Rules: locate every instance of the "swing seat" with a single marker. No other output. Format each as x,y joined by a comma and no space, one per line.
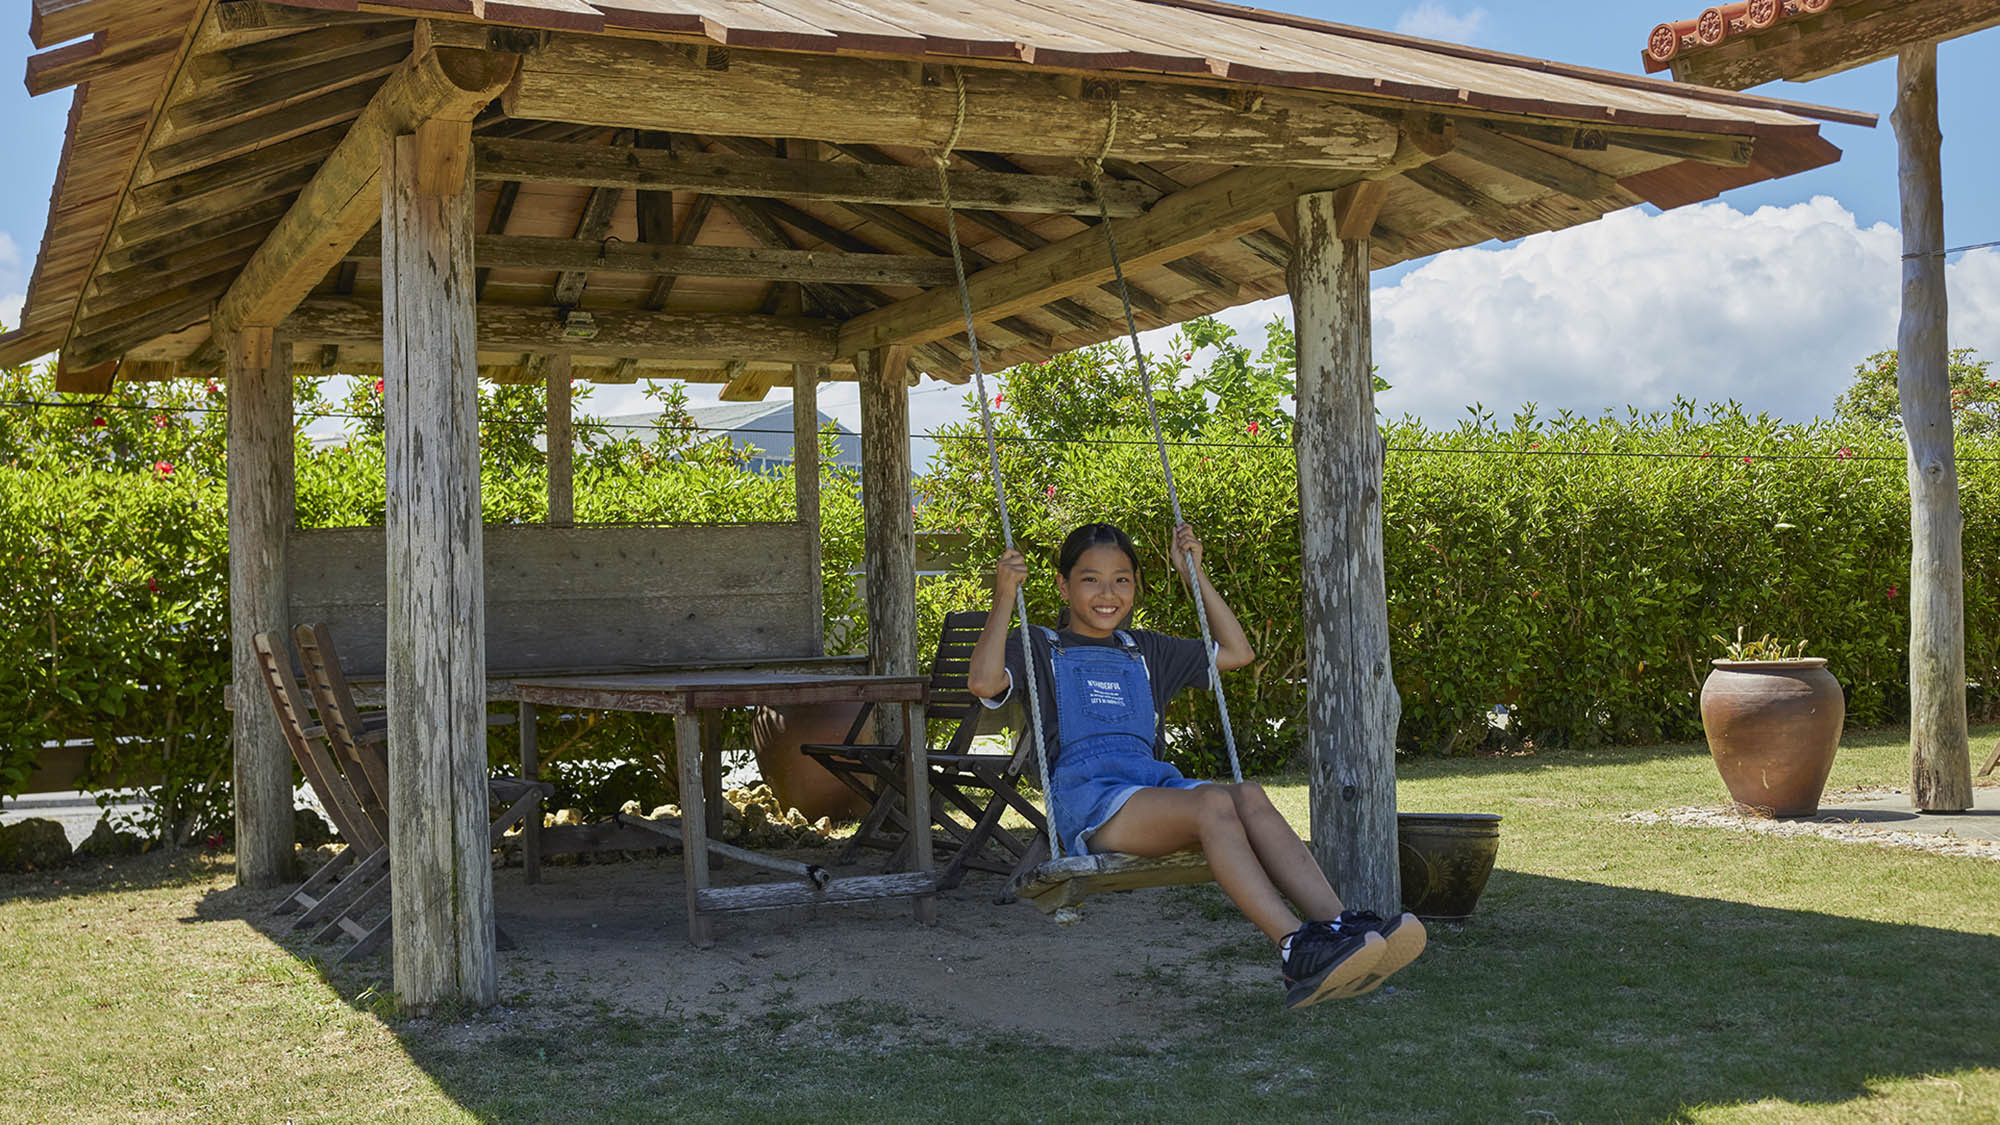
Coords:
1066,882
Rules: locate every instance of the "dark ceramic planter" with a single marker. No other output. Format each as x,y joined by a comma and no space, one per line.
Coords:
1773,726
1445,859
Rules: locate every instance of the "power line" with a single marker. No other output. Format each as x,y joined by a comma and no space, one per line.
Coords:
1022,439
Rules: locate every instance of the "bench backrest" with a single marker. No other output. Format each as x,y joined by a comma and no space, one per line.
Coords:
588,597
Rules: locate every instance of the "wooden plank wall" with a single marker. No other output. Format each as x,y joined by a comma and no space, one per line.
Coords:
591,597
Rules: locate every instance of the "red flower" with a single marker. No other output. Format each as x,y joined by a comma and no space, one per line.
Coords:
1253,428
1845,453
164,468
1893,591
97,422
213,843
1000,398
213,388
378,386
161,421
1052,492
1187,355
1746,460
153,584
1534,445
1705,454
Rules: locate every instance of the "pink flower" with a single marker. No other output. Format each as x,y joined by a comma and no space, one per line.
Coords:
1845,453
1052,492
1894,591
164,468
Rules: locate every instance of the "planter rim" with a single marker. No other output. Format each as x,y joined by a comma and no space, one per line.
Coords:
1770,665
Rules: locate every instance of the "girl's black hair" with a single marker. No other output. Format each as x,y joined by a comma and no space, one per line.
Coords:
1094,535
1083,539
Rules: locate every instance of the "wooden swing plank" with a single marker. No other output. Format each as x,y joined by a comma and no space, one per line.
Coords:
1071,879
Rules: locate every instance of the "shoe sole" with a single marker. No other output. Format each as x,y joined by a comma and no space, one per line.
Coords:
1398,950
1358,965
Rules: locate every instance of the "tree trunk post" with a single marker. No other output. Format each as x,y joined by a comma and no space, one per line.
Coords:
442,893
260,516
806,378
562,444
1351,707
1940,749
889,524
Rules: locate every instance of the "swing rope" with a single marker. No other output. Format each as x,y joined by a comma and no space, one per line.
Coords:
943,161
1159,439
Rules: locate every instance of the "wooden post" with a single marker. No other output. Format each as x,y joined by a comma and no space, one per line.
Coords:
806,378
438,847
1351,706
1940,751
531,770
888,523
260,515
561,443
694,826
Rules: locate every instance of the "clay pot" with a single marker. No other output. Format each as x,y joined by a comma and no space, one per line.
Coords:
1773,726
1445,860
796,780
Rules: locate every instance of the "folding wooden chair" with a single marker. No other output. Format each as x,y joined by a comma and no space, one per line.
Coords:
970,790
363,744
362,864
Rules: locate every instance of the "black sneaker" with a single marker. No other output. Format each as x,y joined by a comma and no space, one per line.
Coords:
1322,961
1403,938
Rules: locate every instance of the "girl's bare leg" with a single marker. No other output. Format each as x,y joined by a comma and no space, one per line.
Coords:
1158,821
1285,858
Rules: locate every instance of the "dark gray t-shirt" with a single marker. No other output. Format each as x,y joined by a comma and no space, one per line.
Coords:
1172,663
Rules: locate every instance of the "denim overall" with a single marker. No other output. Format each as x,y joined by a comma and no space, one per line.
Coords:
1105,729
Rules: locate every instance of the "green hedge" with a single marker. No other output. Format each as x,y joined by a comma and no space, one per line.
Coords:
1572,570
113,548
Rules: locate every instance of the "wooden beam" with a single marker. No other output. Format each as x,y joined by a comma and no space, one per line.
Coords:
76,63
641,335
260,506
602,80
1214,211
1351,704
440,854
152,223
672,259
343,200
806,378
254,19
262,215
176,264
275,90
1536,165
247,136
1494,216
305,149
1355,208
895,185
248,62
1854,34
1940,748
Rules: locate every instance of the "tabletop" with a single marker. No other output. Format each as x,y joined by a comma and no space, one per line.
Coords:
686,691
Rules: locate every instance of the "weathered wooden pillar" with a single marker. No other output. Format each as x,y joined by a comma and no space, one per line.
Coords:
438,851
260,516
561,440
1940,750
1351,702
806,378
888,522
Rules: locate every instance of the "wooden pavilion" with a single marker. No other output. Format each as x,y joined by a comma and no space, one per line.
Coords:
1735,46
742,192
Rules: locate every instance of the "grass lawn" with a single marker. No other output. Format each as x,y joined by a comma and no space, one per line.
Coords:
1615,972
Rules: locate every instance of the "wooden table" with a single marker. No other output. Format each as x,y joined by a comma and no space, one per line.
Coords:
693,698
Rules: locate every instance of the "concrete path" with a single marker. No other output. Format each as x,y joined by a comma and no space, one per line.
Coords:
1893,811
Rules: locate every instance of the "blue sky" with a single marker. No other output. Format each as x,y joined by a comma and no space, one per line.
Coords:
1769,295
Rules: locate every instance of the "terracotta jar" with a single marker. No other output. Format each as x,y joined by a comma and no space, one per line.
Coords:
1773,726
796,780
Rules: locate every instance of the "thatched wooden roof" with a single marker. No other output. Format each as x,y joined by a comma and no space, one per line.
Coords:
716,190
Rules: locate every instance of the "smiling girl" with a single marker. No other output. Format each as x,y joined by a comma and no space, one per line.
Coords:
1104,690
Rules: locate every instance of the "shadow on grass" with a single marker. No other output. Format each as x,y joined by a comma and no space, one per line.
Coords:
160,869
1561,1000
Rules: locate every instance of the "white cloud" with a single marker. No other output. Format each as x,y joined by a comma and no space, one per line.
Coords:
1772,309
1431,20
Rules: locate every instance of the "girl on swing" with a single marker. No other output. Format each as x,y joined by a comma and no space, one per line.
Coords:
1110,792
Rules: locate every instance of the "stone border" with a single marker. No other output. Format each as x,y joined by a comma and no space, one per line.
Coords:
1936,843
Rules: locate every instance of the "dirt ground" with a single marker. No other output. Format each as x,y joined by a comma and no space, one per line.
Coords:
615,934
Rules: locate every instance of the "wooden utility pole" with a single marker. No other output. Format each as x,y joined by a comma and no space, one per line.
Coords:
1351,705
439,852
260,517
1940,753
